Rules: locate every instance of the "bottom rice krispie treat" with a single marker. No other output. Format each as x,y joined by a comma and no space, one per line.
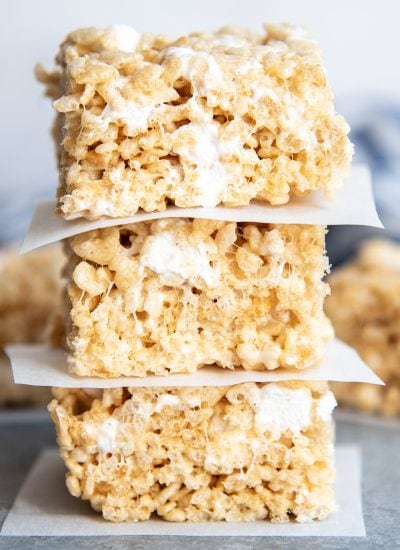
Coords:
240,453
365,310
30,289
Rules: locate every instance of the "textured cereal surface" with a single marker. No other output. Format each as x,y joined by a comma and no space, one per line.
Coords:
223,117
30,289
365,310
174,295
199,454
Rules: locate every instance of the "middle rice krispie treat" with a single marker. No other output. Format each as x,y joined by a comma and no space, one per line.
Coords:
209,118
174,295
240,453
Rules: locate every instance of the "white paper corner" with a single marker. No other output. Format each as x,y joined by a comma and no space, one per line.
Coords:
44,507
40,365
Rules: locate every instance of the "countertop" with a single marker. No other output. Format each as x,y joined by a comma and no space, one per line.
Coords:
23,434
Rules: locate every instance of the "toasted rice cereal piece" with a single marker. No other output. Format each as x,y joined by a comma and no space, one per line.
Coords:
365,311
173,295
223,117
240,453
30,289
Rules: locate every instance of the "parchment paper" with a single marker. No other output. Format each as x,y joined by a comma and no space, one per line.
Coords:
352,205
45,508
40,365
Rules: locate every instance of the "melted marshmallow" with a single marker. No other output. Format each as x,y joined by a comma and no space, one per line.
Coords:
190,61
106,437
193,400
175,261
206,151
279,409
206,154
144,410
124,38
273,244
325,406
294,121
166,399
227,41
133,115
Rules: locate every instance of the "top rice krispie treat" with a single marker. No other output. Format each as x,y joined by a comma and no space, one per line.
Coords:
223,117
365,310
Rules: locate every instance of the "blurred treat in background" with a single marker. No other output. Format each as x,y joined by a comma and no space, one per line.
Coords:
365,302
30,290
375,132
365,310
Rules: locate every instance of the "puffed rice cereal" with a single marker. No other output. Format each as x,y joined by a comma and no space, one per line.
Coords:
173,295
241,453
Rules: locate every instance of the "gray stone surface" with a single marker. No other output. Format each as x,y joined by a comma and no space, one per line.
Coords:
23,435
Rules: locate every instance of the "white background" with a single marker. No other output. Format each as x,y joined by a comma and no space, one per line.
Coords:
360,40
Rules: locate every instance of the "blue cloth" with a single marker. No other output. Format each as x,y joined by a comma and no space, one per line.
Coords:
16,207
375,132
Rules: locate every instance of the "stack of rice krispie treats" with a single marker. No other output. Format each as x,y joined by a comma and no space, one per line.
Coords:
223,118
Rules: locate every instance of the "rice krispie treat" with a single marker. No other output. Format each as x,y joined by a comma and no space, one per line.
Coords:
365,311
30,289
223,117
239,453
174,295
